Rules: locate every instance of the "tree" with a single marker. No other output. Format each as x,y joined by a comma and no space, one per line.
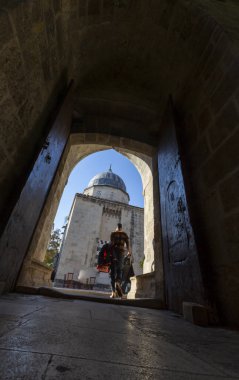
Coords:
53,246
141,263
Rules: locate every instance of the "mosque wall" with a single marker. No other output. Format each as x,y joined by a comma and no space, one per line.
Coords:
93,219
106,192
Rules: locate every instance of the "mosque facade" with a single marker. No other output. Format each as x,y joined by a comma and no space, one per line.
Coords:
93,216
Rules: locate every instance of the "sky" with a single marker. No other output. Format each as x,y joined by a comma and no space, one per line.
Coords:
94,164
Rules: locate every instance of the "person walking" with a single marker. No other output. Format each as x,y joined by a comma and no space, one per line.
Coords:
119,240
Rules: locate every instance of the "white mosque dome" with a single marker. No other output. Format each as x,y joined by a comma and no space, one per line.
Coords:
108,185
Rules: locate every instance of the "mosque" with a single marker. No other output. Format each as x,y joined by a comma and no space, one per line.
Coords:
93,216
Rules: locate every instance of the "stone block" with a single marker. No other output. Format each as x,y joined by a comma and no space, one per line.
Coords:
231,236
59,36
69,5
22,19
50,27
226,88
6,32
195,313
229,193
200,153
214,80
108,5
143,286
36,11
3,87
82,8
214,59
57,5
35,273
11,64
93,7
190,131
10,123
2,287
205,118
224,124
223,161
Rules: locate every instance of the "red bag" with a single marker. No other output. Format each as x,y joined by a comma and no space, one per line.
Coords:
103,268
104,259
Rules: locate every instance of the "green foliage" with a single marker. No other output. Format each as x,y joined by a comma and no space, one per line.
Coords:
53,247
141,263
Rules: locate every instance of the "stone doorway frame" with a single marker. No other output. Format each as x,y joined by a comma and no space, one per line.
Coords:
144,158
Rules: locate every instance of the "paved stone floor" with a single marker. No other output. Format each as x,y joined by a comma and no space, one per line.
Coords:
47,338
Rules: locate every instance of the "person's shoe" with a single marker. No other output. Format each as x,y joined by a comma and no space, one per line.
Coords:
113,295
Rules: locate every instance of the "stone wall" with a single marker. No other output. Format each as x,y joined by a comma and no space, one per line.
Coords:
208,128
106,192
31,80
151,49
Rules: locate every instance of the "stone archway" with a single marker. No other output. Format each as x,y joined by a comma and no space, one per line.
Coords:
151,49
144,158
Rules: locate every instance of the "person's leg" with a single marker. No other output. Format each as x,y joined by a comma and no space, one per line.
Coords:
119,269
113,271
112,275
128,287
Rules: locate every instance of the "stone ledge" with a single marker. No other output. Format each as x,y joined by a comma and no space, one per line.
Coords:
143,286
149,303
196,313
35,273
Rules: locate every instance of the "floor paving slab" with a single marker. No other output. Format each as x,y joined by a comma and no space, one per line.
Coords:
75,369
16,365
73,339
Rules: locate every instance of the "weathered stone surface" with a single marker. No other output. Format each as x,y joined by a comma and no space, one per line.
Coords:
190,130
229,192
27,210
224,124
35,273
12,66
93,7
199,153
195,313
3,87
57,5
2,287
223,161
204,120
133,52
82,11
227,87
159,343
36,364
37,11
231,231
143,286
6,32
11,127
181,254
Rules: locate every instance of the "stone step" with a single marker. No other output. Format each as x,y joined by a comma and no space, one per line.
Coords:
149,303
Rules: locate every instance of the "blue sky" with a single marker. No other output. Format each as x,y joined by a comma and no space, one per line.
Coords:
88,168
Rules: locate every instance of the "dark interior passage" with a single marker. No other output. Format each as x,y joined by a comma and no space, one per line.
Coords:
125,58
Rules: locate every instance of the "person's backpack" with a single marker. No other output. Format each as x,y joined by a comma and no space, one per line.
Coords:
104,258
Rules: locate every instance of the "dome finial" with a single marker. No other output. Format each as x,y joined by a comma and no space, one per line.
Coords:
110,170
